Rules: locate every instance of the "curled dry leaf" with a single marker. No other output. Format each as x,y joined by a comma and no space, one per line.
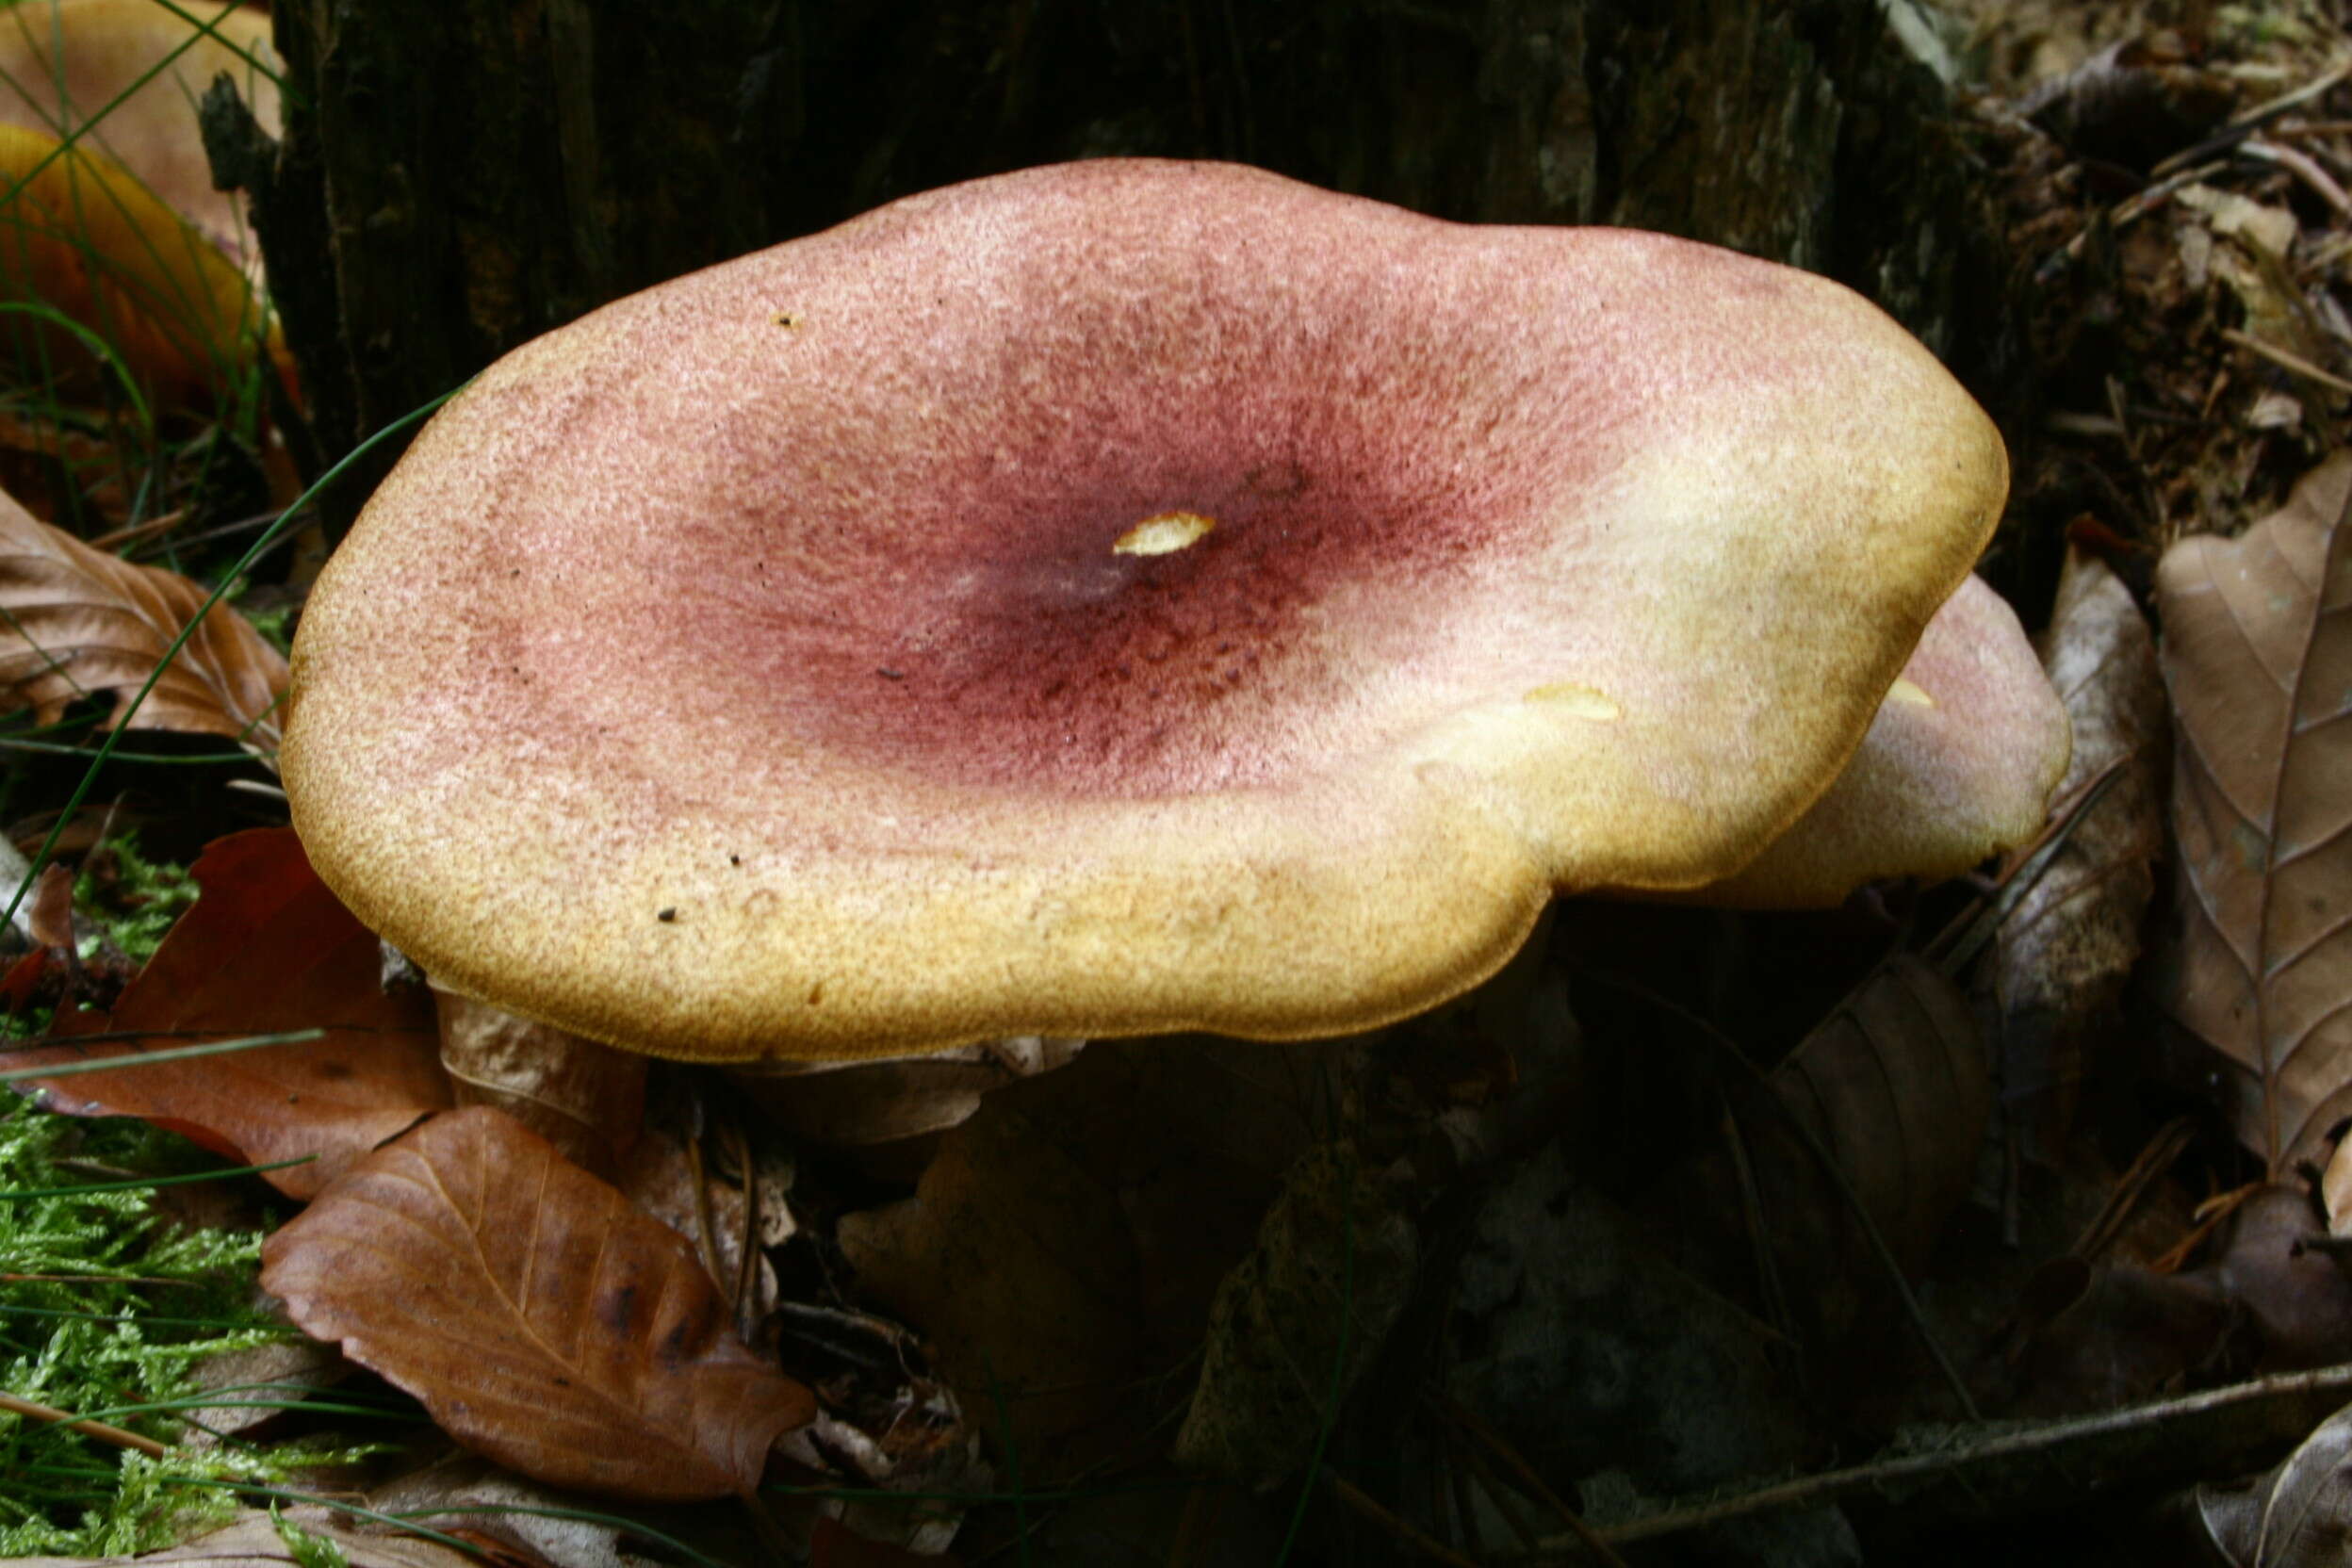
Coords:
75,621
856,1103
542,1320
266,949
2297,1515
2258,654
2068,946
587,1098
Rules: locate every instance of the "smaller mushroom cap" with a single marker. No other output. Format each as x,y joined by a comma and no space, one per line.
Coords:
1115,599
1958,765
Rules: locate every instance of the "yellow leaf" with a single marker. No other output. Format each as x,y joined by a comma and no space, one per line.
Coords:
124,77
80,235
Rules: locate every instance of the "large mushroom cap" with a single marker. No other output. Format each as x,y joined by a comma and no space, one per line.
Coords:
1111,599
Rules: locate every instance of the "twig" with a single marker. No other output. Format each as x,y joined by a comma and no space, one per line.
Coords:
748,1238
2237,130
114,540
1524,1472
2292,363
2304,166
2154,1159
2208,1215
99,1430
2301,1398
705,1229
2130,211
1427,1545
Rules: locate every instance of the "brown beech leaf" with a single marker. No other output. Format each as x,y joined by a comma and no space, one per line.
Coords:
542,1320
266,949
2067,948
75,621
2258,653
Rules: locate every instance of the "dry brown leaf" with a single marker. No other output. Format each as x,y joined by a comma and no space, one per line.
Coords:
586,1098
518,1524
1892,1085
2067,948
2092,1336
661,1180
267,948
75,621
853,1105
1019,1265
2293,1303
256,1542
2298,1514
541,1319
2258,653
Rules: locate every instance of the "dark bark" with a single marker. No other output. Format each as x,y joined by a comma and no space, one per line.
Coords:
473,183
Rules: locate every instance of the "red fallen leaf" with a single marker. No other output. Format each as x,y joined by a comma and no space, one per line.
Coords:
22,984
542,1320
266,949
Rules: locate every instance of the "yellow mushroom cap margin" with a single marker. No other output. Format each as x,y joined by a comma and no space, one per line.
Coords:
752,669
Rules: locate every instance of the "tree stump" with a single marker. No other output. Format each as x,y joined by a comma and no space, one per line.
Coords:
445,192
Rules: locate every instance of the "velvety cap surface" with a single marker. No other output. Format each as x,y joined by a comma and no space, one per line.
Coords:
1116,597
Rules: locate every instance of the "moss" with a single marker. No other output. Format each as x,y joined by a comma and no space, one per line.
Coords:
104,1308
137,904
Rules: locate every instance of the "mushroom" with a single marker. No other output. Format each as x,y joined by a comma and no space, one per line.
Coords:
1115,599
